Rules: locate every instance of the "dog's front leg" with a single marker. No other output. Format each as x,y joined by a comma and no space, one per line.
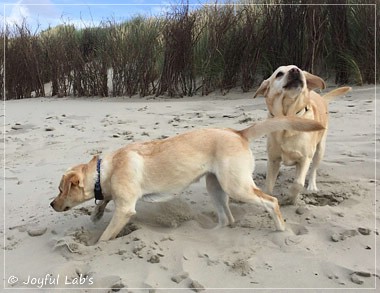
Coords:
312,186
273,167
97,214
123,212
301,170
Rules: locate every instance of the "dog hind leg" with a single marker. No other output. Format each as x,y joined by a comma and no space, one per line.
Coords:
235,177
240,186
220,199
270,203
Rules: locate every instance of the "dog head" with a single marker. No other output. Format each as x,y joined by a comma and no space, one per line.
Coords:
71,189
288,82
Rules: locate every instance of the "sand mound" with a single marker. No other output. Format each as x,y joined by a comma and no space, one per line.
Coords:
173,213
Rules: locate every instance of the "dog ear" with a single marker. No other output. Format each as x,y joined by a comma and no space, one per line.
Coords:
314,82
76,180
94,159
261,91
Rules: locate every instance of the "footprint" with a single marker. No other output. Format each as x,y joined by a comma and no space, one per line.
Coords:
68,248
291,236
336,237
297,229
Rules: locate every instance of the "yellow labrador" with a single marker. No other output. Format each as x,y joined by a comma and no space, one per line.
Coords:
289,92
170,165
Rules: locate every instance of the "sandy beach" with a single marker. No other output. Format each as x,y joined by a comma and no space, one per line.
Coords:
330,241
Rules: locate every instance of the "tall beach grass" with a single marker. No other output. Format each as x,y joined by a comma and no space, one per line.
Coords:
193,51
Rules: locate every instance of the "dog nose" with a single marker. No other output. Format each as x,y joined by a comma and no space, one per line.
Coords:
52,204
294,70
294,73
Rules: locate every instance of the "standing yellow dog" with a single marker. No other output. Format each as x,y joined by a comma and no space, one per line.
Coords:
172,164
289,92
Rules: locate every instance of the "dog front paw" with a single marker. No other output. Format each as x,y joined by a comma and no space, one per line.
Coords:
312,188
96,216
287,200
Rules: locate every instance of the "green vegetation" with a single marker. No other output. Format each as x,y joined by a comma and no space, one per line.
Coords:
216,47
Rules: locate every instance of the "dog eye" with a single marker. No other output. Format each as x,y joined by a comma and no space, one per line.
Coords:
279,74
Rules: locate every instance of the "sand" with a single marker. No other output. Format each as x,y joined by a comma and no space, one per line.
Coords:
330,241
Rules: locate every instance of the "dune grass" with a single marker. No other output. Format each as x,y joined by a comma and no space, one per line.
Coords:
192,51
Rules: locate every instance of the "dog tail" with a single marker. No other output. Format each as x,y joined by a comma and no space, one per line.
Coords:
335,93
278,124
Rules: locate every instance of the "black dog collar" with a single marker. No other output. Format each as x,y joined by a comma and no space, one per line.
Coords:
98,189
